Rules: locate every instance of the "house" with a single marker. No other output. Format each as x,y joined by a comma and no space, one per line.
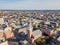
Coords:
2,38
58,41
1,34
23,30
1,21
36,35
4,43
8,33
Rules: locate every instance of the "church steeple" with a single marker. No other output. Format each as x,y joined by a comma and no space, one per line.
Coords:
30,28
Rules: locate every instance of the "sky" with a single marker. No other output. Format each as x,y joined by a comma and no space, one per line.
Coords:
30,4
